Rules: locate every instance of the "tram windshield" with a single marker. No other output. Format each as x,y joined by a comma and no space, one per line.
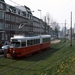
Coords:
15,44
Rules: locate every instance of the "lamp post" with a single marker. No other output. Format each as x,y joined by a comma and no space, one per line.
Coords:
40,20
40,12
32,22
32,11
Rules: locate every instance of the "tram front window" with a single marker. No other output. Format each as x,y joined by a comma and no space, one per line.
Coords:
15,44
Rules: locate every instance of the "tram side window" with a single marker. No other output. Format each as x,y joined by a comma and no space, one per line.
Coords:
46,39
28,42
23,44
37,41
33,42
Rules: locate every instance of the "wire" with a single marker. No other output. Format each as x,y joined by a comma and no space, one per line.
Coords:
67,3
15,2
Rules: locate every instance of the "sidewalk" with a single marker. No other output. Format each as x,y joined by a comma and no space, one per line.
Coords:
55,41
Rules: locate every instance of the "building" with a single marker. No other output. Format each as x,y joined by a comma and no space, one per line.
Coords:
19,20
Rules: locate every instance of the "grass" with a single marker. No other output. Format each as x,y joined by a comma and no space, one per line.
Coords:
58,60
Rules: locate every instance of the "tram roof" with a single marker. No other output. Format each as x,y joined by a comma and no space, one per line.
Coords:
23,37
44,36
31,37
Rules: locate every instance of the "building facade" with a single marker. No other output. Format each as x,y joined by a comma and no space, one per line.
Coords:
19,20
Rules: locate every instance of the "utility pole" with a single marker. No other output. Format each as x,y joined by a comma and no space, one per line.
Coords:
45,24
65,32
71,32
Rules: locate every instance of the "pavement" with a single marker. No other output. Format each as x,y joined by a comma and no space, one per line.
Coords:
55,41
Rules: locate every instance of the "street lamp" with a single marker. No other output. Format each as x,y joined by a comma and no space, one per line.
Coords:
40,12
32,11
40,20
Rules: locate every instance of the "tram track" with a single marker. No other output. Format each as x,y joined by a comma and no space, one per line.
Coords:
39,61
27,67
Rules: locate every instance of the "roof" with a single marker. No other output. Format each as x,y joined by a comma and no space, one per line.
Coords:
19,37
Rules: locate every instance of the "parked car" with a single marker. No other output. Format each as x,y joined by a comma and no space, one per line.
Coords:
3,45
6,43
1,51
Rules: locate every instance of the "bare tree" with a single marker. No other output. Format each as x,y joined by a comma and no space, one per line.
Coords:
53,24
44,18
56,28
48,18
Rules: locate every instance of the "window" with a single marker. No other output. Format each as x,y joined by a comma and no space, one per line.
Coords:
6,36
1,25
12,18
2,36
1,15
13,27
33,42
18,19
28,42
7,26
24,14
1,6
23,44
15,44
12,9
7,17
19,12
46,39
38,41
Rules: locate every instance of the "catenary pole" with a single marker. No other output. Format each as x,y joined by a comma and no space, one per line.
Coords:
65,31
71,31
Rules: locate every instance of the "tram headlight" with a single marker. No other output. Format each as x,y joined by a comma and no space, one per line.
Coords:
13,52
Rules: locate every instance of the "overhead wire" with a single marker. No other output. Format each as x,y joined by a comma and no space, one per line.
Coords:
63,8
15,2
68,3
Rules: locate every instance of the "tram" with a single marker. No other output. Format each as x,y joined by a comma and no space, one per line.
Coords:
22,46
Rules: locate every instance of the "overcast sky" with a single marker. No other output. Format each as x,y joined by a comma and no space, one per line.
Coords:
58,9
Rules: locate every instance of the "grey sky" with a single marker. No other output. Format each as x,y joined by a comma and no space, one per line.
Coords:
58,9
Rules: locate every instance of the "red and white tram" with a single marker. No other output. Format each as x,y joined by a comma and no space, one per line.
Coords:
23,46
